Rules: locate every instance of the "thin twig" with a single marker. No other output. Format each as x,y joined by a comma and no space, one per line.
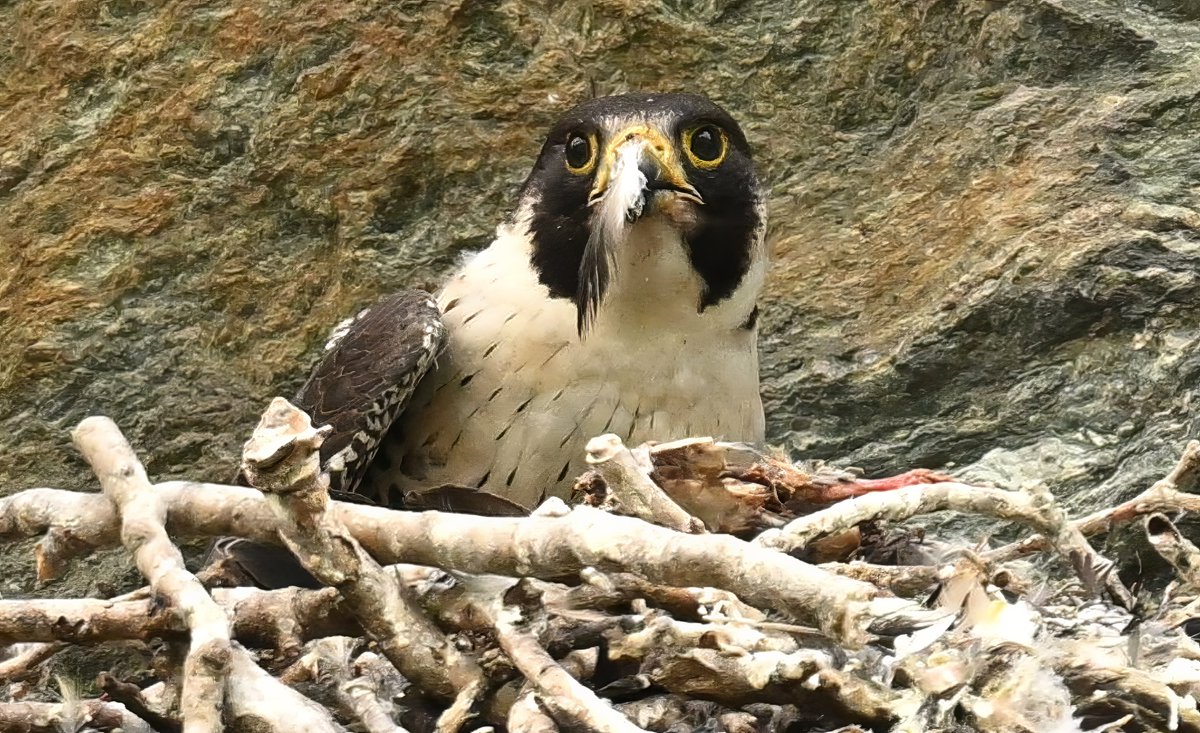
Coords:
1169,494
130,695
28,659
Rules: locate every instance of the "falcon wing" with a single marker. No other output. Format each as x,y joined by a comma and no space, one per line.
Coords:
367,376
371,367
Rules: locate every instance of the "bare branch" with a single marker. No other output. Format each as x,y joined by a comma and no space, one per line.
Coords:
1128,690
258,701
364,694
143,514
1169,494
527,716
904,503
281,619
23,663
538,546
1034,507
734,664
46,717
130,695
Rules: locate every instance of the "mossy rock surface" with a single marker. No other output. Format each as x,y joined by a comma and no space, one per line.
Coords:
985,214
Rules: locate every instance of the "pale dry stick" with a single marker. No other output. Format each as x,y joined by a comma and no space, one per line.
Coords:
527,716
87,620
285,618
538,546
194,509
280,619
568,701
45,625
1169,494
364,694
743,668
901,504
282,459
320,659
23,663
55,717
359,696
1176,549
609,590
1117,725
358,686
143,513
631,490
257,701
1092,567
1034,508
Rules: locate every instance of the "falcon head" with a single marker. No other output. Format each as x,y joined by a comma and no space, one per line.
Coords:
646,192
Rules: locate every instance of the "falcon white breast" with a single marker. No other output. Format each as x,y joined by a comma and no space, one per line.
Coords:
530,374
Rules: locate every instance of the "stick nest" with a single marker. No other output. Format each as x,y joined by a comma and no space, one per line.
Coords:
694,585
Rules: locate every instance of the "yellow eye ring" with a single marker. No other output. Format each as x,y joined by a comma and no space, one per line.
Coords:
580,153
706,146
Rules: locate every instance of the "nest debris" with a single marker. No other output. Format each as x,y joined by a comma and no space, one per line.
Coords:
696,585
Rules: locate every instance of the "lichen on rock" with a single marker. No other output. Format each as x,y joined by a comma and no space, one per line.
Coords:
984,214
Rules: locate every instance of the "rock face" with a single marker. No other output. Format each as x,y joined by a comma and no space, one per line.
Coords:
985,214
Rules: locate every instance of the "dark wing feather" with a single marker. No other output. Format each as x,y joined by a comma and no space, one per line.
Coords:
234,561
365,379
368,375
463,500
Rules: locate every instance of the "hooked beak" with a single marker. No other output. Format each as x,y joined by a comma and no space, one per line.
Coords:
635,163
638,169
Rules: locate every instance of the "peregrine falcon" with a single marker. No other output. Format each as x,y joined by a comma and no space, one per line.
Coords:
619,297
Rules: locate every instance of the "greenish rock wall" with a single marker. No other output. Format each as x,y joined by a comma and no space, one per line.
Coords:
984,213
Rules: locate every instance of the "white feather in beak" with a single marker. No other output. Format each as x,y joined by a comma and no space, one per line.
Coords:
623,200
614,210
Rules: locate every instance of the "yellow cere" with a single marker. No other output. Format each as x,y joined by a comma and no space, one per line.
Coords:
657,144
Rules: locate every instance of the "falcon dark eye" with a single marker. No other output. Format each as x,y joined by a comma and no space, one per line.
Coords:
580,153
706,146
